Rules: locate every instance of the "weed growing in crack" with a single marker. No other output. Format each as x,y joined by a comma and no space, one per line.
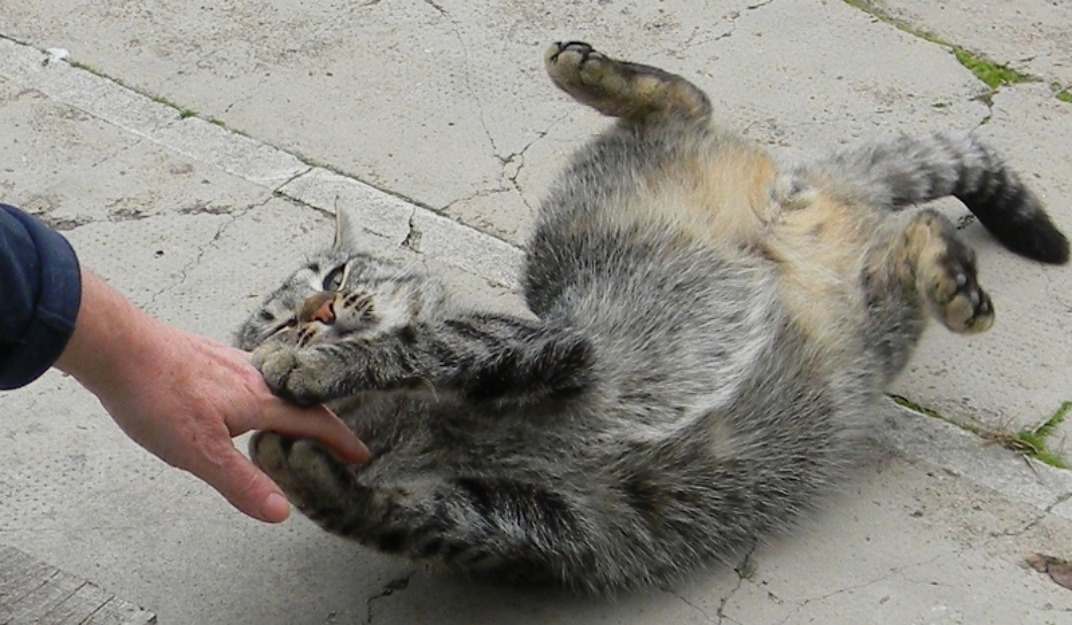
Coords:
1029,442
1032,442
992,74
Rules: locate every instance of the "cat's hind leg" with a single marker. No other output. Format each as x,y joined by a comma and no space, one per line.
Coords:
629,91
488,527
942,267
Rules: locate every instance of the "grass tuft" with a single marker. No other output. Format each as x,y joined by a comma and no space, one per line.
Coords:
1030,442
1034,440
992,74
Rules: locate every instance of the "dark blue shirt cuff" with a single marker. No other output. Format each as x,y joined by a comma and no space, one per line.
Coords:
41,288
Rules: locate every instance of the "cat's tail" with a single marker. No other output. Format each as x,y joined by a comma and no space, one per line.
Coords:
911,170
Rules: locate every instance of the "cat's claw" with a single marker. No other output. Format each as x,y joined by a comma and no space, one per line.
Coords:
574,64
585,50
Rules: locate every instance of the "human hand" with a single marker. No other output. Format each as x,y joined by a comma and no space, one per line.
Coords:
183,397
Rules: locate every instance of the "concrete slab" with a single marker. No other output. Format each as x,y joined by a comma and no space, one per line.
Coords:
1018,374
195,221
1031,36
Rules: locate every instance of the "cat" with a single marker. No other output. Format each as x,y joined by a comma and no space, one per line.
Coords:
709,337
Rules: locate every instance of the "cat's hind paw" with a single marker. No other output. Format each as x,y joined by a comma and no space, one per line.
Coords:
575,65
630,91
961,304
309,475
947,276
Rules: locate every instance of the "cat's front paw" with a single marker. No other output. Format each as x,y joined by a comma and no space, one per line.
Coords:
293,373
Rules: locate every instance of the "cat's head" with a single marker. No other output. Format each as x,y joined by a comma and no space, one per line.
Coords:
340,291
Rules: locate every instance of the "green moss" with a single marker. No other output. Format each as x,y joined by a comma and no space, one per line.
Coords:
87,68
914,407
94,71
1029,442
162,100
217,122
992,74
184,113
876,12
1065,96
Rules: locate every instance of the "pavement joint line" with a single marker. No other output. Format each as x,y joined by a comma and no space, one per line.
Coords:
995,75
443,238
204,140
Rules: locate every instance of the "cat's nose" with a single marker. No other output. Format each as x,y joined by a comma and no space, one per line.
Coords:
319,307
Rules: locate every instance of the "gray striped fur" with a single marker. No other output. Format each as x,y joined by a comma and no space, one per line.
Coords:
709,336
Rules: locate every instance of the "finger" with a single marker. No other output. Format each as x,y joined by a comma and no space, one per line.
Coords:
318,423
244,485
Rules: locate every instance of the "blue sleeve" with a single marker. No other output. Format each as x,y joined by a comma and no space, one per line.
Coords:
40,292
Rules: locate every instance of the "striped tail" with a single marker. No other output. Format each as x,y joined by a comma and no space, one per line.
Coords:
912,170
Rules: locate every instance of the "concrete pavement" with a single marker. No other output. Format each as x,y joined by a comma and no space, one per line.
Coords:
194,153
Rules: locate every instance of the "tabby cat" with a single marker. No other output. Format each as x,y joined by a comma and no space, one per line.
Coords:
709,336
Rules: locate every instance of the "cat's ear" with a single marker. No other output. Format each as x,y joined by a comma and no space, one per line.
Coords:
346,230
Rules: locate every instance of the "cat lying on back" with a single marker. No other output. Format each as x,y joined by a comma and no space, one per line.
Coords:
709,336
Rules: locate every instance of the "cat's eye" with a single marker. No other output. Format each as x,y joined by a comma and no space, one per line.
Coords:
333,281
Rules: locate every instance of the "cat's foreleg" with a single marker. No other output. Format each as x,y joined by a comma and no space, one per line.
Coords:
487,357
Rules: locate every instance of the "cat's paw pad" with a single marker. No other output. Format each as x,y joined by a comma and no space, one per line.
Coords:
961,304
575,64
289,375
946,274
307,473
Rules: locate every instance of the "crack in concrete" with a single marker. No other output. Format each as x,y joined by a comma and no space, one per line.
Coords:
898,571
278,189
707,617
518,158
390,588
1039,518
412,241
731,18
744,570
437,7
203,249
456,28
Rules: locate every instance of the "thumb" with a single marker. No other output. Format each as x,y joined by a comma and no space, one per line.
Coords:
248,489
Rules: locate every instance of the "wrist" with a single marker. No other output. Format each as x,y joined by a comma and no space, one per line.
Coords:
110,339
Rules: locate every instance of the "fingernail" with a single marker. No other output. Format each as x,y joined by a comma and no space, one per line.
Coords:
363,452
276,508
